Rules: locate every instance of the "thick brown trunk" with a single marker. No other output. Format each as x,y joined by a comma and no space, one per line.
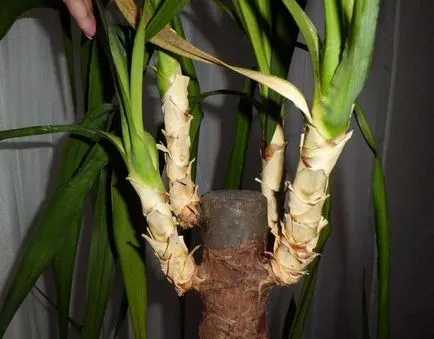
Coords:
233,267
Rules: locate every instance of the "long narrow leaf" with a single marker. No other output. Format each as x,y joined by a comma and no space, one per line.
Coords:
167,10
64,264
383,246
101,262
254,27
333,41
170,41
334,111
99,87
73,156
363,124
284,33
309,33
48,237
118,57
75,151
381,214
95,135
132,264
173,43
112,41
136,85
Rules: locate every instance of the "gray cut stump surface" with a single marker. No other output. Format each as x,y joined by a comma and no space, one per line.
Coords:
234,236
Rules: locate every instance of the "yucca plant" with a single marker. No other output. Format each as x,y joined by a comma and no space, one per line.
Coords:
120,165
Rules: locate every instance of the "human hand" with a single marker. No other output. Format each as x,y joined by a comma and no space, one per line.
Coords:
82,12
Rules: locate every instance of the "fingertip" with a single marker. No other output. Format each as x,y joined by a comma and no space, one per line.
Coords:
90,29
82,13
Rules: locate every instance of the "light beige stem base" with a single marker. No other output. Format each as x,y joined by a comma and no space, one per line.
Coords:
271,176
177,119
298,236
177,264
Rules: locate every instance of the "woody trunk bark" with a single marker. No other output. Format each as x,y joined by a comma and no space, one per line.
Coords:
233,267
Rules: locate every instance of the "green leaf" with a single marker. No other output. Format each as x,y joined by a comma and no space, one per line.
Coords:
132,264
309,33
332,49
118,58
265,20
308,288
136,85
382,229
258,34
114,42
100,86
141,155
363,124
48,238
284,32
347,9
64,264
333,110
98,90
234,174
89,67
95,135
101,262
96,118
383,247
165,12
11,10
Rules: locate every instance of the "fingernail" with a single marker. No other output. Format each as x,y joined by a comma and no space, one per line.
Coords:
88,36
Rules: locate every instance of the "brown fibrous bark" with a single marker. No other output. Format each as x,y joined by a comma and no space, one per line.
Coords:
233,292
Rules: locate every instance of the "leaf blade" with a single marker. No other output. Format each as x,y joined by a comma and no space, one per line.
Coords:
335,107
309,33
132,265
101,263
76,149
47,239
382,228
165,12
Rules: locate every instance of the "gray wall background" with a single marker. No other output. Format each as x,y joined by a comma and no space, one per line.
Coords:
34,89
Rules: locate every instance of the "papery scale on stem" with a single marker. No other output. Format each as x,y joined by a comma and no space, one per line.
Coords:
299,233
183,193
176,262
